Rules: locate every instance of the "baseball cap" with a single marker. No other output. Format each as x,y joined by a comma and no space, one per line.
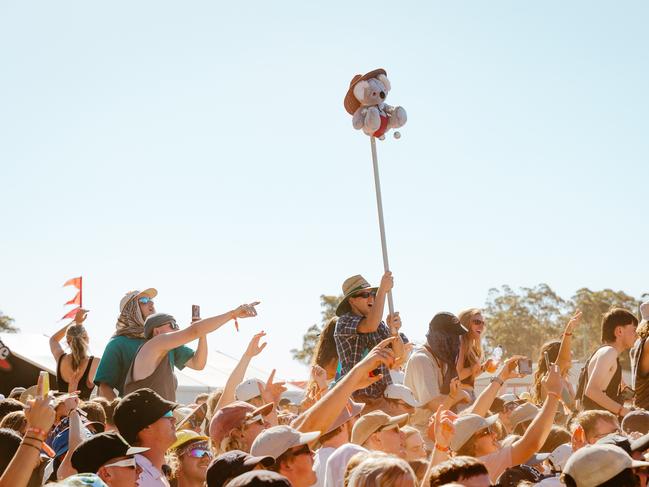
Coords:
617,440
248,389
524,412
150,292
259,478
351,410
231,416
641,444
595,464
399,391
138,410
559,457
448,323
279,439
154,321
232,464
96,451
184,437
466,426
637,420
371,422
514,475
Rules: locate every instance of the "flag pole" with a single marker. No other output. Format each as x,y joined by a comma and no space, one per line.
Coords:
80,291
379,207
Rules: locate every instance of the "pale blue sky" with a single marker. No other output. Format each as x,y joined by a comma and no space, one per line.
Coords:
202,148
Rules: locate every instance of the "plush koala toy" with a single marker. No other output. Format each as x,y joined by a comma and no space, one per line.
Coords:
365,101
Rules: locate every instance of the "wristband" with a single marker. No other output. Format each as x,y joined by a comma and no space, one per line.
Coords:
495,378
22,443
441,448
35,438
554,394
567,334
37,431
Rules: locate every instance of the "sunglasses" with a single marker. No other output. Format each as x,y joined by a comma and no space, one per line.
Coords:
168,414
477,321
365,294
302,450
144,300
126,463
199,453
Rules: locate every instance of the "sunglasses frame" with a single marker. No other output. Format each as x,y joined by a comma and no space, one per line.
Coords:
365,294
144,300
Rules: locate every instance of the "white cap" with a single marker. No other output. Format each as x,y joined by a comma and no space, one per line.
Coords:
399,391
559,457
151,293
279,439
466,426
509,397
524,412
595,464
248,389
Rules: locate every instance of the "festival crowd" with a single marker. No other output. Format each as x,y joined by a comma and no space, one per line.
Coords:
378,410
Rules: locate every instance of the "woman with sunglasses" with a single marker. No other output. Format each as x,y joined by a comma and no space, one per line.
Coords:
188,459
74,370
153,365
470,359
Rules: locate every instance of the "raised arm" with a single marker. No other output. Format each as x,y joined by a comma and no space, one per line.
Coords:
394,324
373,319
238,373
324,412
564,359
538,431
168,341
486,398
198,361
55,345
603,370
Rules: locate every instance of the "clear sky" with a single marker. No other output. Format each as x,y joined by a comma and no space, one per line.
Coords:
202,148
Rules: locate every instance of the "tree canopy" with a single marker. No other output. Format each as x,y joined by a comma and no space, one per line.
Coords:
328,305
6,324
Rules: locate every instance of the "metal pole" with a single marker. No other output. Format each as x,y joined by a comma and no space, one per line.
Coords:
379,207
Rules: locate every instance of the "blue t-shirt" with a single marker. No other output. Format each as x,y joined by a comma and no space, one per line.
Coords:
120,353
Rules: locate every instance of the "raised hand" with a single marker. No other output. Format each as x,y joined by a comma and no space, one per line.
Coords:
508,369
245,310
456,393
319,376
254,348
387,282
552,381
39,411
394,322
80,316
381,354
574,321
273,390
440,428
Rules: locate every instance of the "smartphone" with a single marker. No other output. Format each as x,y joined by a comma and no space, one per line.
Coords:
45,381
196,312
627,394
525,366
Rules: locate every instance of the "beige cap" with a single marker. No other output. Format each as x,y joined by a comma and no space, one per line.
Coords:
399,391
279,439
466,426
352,409
248,389
595,464
524,412
371,422
151,293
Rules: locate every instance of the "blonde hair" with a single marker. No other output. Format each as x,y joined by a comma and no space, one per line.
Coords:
471,347
16,421
77,338
408,431
384,471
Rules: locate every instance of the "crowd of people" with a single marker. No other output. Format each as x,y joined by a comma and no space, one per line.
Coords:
378,410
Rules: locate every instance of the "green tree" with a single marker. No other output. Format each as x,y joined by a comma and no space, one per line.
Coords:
593,305
6,324
521,323
328,305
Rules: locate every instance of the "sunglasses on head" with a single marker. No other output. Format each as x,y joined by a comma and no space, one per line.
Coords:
144,299
365,294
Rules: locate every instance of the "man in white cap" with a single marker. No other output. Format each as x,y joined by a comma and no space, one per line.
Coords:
290,449
399,399
134,308
640,361
376,431
597,465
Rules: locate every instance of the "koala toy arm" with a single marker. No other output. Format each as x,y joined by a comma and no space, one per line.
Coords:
359,118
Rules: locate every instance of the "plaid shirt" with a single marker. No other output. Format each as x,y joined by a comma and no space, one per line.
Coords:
352,346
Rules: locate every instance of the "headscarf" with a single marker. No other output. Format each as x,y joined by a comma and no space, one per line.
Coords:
446,347
130,322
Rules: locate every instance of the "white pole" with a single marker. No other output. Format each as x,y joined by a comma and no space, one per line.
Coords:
379,207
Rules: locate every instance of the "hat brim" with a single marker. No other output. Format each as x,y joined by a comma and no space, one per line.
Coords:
344,306
150,292
190,414
134,450
306,438
401,420
356,409
537,458
266,461
351,103
641,444
263,410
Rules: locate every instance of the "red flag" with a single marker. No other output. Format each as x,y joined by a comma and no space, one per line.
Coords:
72,313
76,299
75,281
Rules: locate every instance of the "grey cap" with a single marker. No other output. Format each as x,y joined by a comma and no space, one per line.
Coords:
154,321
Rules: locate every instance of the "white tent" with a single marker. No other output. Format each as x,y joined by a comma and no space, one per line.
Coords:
34,348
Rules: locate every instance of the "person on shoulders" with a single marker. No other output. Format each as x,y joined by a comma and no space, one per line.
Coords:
603,383
134,308
75,370
360,327
640,361
153,365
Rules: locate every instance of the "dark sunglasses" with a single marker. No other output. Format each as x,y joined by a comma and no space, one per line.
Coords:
145,300
365,294
174,325
199,453
477,321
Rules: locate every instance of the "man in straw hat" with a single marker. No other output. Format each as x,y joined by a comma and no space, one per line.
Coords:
640,360
360,328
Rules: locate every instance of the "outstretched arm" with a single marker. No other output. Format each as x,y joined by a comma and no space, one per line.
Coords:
486,398
564,358
371,323
55,345
198,361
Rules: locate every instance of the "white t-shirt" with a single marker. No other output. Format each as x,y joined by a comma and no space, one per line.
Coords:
150,476
423,376
320,464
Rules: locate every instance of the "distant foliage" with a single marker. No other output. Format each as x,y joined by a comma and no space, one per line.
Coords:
6,324
310,338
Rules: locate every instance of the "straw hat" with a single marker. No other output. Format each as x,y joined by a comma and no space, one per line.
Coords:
350,287
351,103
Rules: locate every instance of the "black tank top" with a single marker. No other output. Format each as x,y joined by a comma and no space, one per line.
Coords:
612,390
640,381
84,390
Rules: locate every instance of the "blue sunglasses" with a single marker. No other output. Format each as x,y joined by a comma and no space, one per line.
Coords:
145,300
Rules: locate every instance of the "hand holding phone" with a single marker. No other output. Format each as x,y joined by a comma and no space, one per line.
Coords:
44,380
525,366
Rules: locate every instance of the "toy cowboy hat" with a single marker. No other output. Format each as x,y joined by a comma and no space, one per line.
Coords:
351,286
351,103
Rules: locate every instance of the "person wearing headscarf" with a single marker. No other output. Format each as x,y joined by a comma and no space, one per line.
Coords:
121,349
431,372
